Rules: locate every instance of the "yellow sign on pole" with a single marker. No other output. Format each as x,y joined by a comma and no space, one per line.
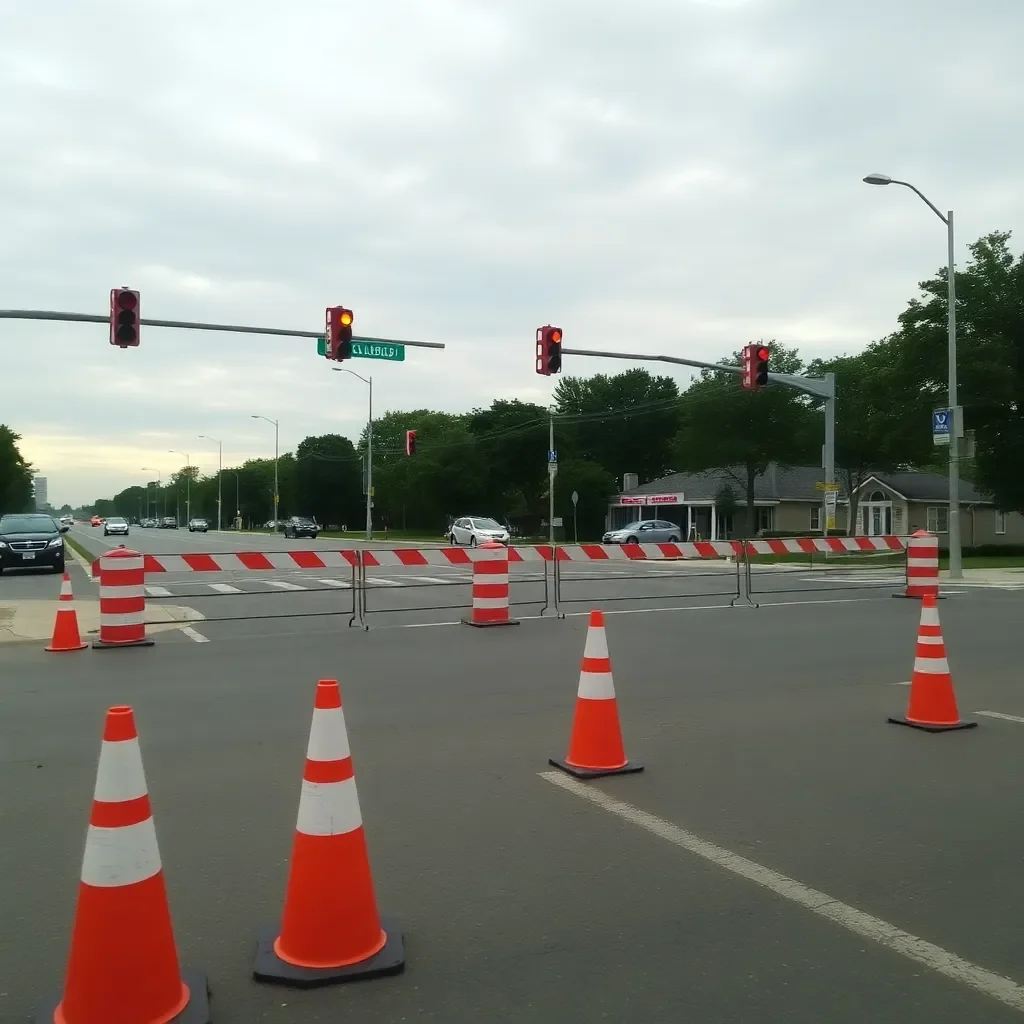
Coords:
821,485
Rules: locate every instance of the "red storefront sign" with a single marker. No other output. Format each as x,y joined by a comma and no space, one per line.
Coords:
651,499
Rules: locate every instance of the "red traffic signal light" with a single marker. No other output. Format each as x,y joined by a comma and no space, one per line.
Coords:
761,356
549,350
410,442
339,333
124,317
755,366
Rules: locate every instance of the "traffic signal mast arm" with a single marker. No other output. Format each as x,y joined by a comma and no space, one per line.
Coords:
90,318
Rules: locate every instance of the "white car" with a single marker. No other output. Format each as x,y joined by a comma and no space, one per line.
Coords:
115,524
473,530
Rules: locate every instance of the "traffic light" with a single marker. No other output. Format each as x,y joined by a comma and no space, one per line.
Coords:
549,350
755,366
410,442
761,355
124,317
339,333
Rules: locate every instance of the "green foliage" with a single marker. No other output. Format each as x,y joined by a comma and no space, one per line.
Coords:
595,486
15,475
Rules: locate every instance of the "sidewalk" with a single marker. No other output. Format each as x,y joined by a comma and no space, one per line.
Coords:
33,620
988,577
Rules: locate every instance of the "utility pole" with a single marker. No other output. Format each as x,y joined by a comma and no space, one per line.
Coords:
552,473
220,473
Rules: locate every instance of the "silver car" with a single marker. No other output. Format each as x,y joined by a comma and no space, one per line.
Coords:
473,530
645,531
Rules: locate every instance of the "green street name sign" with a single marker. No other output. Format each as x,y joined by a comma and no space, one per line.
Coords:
378,350
369,350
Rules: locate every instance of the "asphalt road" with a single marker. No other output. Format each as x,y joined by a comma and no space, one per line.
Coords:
763,732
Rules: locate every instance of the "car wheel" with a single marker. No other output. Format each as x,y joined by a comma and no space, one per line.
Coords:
451,540
673,539
631,540
59,566
312,536
472,542
105,534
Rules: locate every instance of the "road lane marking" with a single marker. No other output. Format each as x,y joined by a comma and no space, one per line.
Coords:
1005,990
282,585
382,581
224,588
429,579
158,591
193,635
334,583
999,714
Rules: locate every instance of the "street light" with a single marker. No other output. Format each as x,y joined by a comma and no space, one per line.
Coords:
238,510
276,436
150,469
220,468
188,483
955,562
369,449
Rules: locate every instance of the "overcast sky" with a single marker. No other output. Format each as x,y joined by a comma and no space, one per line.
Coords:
675,176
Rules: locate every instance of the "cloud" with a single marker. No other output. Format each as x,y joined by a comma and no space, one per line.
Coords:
652,175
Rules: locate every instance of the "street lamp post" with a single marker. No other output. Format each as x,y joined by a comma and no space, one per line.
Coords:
150,469
368,381
238,510
955,560
276,436
188,482
220,473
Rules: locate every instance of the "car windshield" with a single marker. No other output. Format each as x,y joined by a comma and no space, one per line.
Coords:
487,524
114,520
27,524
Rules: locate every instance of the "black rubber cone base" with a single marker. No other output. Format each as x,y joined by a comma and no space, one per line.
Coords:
197,1011
914,597
596,773
481,625
102,645
270,967
926,727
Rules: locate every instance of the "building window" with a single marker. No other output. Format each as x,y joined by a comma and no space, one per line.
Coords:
938,519
765,519
1000,522
815,518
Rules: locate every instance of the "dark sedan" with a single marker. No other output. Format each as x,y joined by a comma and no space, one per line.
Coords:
299,526
31,542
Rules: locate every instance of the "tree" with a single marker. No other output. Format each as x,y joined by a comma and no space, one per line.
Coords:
15,475
880,423
990,359
625,423
594,485
327,480
741,432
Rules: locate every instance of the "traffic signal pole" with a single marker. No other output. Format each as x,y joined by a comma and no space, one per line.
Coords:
817,387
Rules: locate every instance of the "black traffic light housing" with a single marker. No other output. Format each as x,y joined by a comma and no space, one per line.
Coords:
410,442
761,356
339,333
549,350
124,317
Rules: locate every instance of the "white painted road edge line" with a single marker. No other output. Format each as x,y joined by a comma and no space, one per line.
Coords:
911,946
999,714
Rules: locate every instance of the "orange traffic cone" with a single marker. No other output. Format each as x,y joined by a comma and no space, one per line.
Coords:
595,748
65,627
330,931
123,964
932,700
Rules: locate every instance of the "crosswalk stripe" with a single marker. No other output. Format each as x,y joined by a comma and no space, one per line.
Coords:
282,585
334,583
429,579
158,592
224,588
382,581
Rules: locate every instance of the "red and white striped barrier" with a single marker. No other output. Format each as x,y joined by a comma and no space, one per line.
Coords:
411,557
649,552
834,545
490,587
922,565
122,600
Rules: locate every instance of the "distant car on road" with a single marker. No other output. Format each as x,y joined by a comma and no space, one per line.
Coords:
31,541
473,530
299,526
198,526
168,523
96,521
67,520
147,524
645,531
115,524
